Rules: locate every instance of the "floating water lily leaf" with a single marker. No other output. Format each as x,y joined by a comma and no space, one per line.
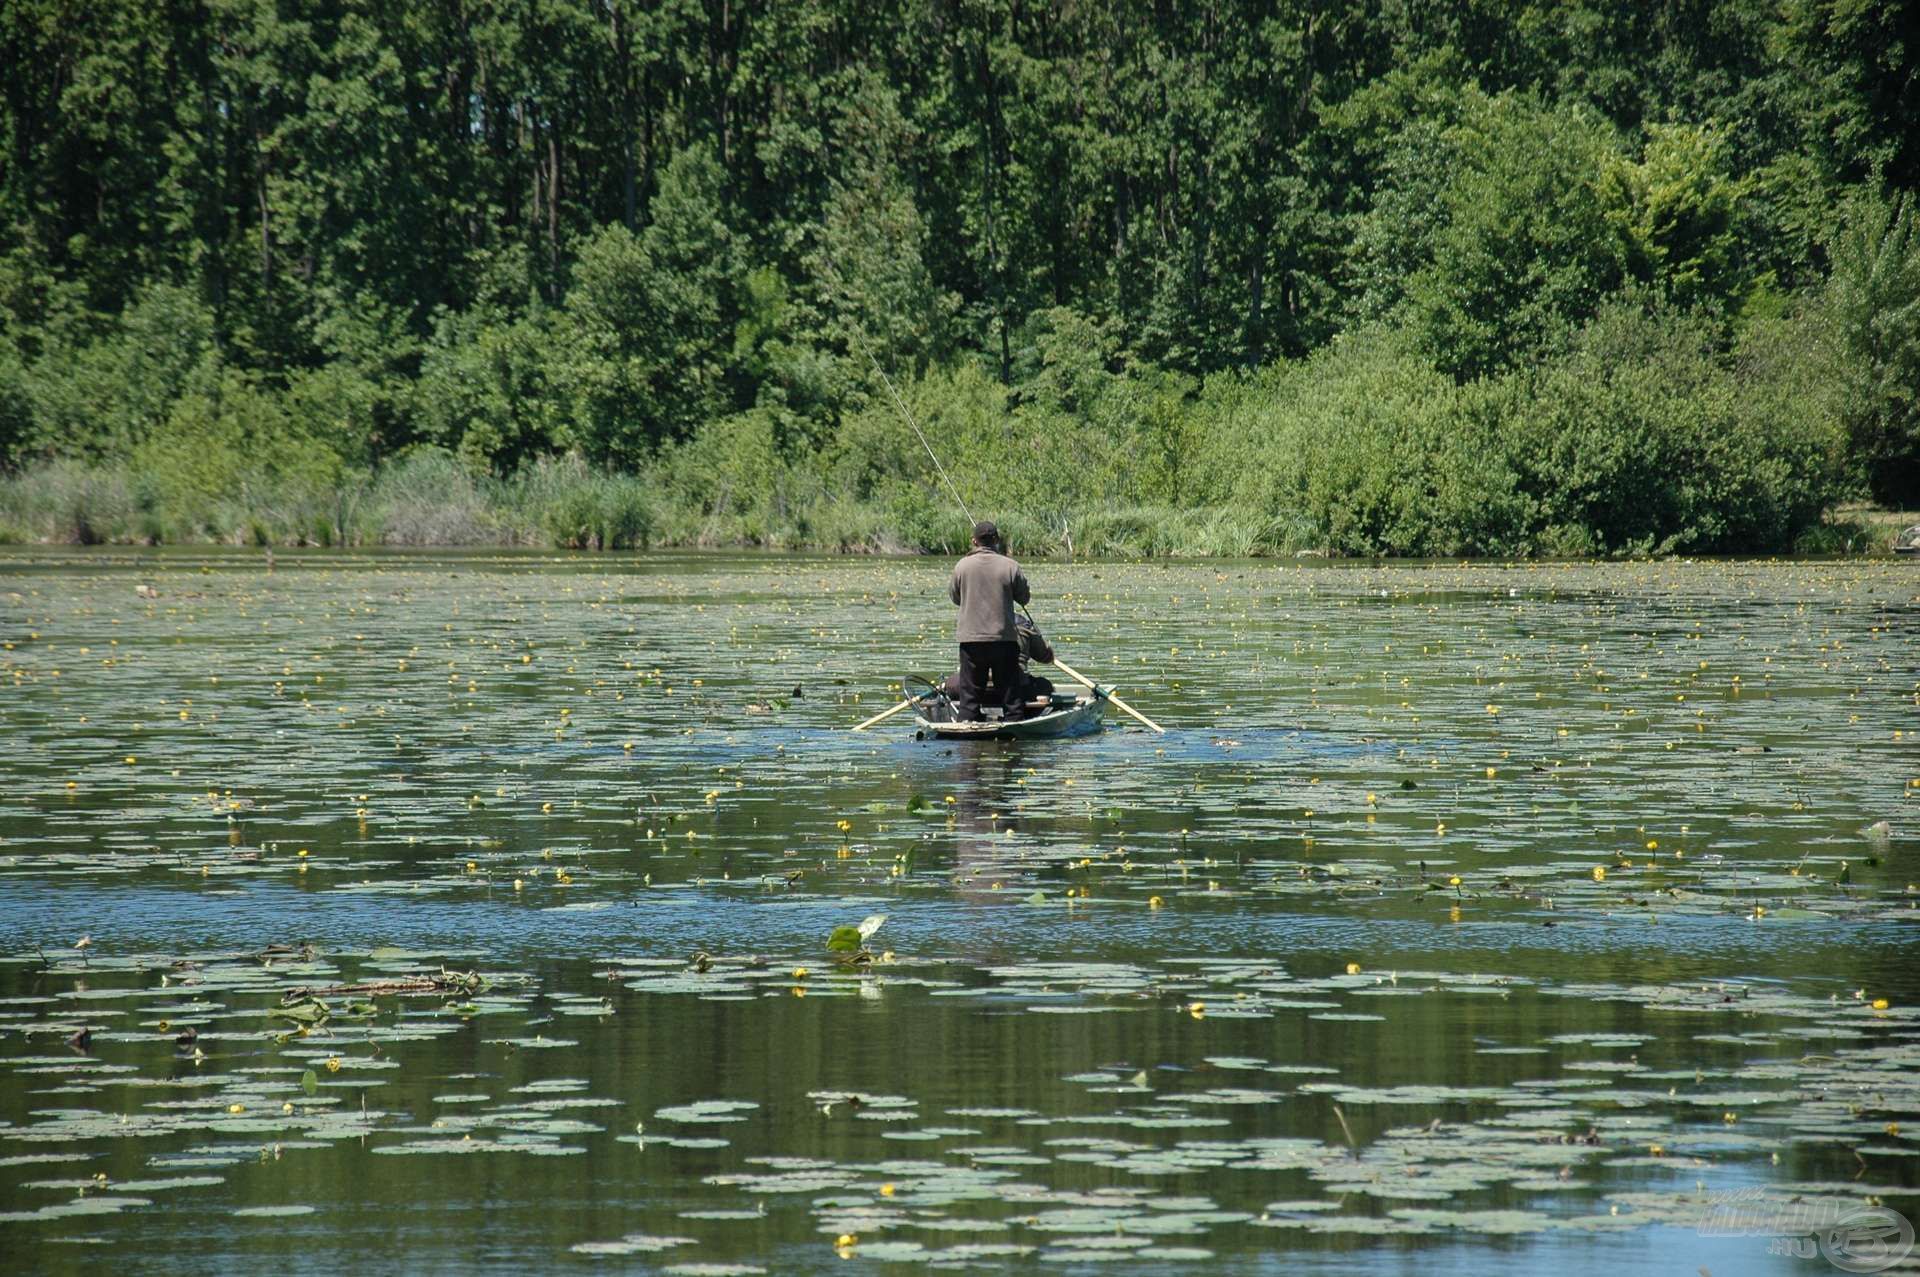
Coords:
309,1011
170,1182
631,1244
453,797
707,1111
98,1204
849,939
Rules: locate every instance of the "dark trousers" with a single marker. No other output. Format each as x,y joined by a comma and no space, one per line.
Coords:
999,660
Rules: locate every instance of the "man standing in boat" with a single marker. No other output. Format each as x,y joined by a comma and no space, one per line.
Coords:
986,584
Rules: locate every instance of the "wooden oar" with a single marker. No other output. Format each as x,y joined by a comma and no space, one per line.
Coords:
1078,677
861,727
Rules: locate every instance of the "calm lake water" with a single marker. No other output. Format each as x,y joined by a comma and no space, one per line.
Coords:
450,913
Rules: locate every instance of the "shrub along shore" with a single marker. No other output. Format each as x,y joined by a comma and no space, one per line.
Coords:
1550,279
1645,435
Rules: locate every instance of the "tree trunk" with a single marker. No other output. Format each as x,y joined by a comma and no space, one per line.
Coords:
266,223
623,74
530,147
553,206
1255,289
726,80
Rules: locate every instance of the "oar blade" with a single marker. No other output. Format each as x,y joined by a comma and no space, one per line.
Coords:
883,714
1084,681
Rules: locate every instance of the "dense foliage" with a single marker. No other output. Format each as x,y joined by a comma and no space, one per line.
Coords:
1423,277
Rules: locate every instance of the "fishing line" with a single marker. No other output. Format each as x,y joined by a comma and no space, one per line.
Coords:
901,404
860,335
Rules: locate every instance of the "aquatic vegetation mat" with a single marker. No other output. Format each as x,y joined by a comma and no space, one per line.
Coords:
1504,907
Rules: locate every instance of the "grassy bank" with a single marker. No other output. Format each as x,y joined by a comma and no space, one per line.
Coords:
1648,433
428,499
431,500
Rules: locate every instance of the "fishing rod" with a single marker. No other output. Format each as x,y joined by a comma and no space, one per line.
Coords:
901,405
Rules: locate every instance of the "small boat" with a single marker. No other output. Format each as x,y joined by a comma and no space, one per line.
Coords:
1062,714
1908,542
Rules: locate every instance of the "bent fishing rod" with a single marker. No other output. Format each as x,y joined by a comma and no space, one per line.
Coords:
1057,663
900,403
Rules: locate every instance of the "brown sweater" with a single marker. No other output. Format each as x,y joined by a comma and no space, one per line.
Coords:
986,584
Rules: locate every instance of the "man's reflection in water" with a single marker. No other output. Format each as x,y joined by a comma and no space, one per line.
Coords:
981,776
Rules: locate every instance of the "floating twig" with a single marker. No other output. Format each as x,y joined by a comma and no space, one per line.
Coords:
467,982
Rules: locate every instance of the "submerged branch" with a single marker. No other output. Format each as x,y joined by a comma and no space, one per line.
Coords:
467,982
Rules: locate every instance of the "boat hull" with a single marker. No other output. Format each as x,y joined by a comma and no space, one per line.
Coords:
1068,717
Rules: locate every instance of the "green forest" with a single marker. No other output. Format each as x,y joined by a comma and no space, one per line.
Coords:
1407,277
